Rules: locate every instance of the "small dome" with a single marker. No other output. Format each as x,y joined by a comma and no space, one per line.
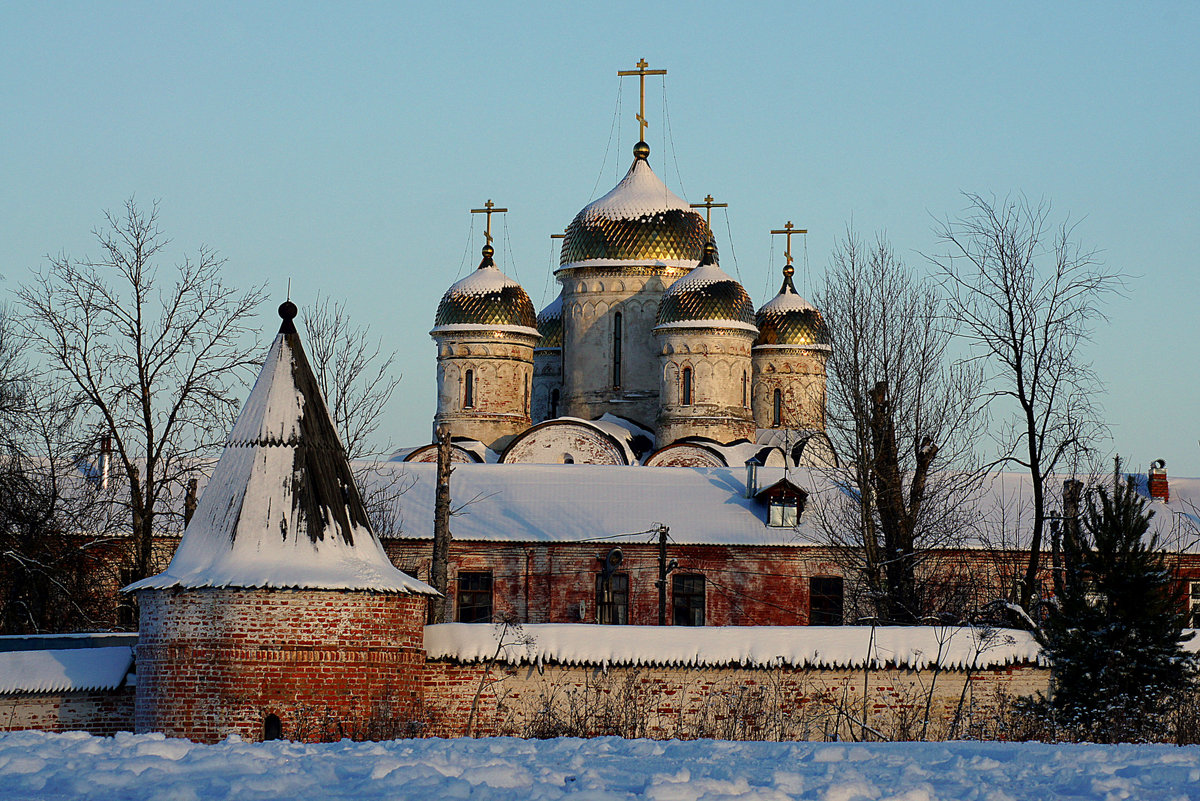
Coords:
549,325
639,220
487,298
708,297
788,320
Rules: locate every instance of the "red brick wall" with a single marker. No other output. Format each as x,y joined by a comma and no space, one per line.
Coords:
329,664
98,712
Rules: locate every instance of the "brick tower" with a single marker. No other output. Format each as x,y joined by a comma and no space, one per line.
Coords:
280,614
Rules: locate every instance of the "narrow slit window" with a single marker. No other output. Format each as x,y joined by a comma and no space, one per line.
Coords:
745,390
553,403
616,374
469,389
685,393
777,418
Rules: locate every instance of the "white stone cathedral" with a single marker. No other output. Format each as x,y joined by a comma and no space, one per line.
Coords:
651,354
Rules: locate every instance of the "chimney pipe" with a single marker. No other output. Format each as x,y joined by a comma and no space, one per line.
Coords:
1157,481
752,465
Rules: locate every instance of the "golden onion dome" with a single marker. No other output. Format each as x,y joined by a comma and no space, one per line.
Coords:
549,325
706,297
790,321
487,299
639,220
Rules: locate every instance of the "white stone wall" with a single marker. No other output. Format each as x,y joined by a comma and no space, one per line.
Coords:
591,299
721,367
502,366
799,374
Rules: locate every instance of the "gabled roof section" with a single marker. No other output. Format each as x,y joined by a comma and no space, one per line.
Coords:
282,508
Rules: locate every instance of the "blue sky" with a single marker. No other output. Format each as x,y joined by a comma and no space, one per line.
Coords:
342,146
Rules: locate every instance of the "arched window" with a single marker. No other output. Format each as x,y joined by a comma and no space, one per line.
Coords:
685,390
616,374
777,418
525,408
745,390
553,403
469,389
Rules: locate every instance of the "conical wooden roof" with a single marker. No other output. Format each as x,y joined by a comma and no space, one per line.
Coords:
282,508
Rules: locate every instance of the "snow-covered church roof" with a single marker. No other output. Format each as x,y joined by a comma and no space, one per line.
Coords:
281,508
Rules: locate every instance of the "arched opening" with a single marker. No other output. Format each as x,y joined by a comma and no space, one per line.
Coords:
272,728
685,390
568,459
616,350
553,403
469,389
777,410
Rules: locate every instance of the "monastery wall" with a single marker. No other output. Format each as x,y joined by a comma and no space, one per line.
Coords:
327,664
724,703
100,712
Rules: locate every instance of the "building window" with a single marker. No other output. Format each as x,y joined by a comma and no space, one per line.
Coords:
469,389
745,390
685,392
1194,605
687,594
825,601
616,375
553,403
612,599
777,411
783,512
475,597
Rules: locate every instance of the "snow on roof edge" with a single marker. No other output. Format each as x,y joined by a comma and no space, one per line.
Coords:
825,647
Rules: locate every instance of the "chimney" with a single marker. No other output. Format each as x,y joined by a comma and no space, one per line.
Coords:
752,465
1157,481
106,453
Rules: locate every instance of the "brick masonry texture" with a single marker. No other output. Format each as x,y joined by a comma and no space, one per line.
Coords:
98,712
328,664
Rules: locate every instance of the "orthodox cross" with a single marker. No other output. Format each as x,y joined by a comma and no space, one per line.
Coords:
489,209
641,72
789,230
708,206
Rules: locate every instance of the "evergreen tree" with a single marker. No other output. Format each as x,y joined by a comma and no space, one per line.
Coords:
1115,636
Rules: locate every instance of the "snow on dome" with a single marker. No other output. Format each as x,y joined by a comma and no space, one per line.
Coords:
281,508
830,647
708,297
486,300
639,220
790,321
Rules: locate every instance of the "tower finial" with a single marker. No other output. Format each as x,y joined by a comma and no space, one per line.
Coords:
789,229
641,72
489,209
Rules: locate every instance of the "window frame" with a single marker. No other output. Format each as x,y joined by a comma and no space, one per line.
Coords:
615,611
469,389
821,601
686,388
686,588
468,601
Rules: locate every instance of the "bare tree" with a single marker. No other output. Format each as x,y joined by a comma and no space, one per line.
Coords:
904,419
356,376
158,360
1026,296
56,519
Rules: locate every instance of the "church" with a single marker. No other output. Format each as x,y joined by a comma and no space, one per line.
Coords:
651,354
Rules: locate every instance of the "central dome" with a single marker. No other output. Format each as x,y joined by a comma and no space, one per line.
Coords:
639,220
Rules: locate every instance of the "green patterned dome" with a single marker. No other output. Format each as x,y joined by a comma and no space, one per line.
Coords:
549,325
706,297
788,320
487,298
640,220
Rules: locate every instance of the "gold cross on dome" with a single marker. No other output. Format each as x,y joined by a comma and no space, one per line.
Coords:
789,230
641,72
489,209
708,206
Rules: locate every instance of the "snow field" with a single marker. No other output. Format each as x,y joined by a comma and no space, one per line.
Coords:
39,765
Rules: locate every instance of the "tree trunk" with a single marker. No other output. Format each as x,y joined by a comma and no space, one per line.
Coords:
439,608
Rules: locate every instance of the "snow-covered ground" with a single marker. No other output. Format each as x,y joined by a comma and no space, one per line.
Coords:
36,765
